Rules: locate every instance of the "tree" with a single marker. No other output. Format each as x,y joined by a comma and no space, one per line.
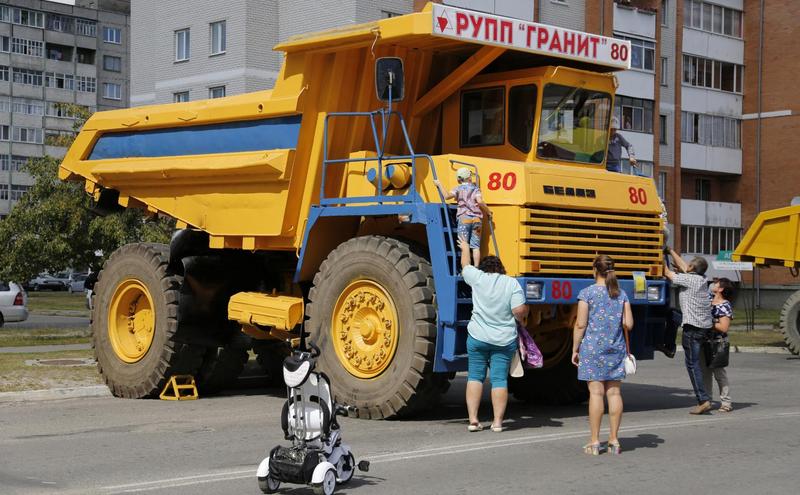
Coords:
53,227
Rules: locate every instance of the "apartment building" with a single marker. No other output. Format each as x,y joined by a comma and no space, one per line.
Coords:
210,50
53,53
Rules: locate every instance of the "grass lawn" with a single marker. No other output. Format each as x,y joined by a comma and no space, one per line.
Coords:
756,338
54,301
44,336
15,375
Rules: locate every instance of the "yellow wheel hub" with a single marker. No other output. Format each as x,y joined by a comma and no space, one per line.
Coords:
365,329
131,321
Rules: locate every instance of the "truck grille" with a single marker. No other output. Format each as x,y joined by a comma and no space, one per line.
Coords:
565,241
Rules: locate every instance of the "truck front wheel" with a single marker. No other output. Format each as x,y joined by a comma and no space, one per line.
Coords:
134,321
371,312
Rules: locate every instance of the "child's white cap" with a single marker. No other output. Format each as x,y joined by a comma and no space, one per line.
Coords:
463,173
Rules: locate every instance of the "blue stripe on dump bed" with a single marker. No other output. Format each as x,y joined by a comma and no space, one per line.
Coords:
229,137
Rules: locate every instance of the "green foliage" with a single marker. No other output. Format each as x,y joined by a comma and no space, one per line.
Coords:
52,227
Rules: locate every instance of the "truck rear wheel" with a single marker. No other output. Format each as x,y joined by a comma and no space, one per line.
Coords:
371,313
134,322
790,322
221,367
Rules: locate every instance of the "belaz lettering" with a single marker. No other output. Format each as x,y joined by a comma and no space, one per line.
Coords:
577,192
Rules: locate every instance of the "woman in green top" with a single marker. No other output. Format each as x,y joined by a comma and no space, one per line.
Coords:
498,303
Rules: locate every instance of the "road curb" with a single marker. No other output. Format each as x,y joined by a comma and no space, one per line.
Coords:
55,394
761,349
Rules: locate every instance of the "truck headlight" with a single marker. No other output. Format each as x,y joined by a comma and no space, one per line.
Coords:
654,293
534,290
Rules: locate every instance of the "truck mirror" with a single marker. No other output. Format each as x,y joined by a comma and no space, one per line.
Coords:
389,74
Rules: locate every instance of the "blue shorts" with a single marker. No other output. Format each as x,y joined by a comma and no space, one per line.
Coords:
481,355
470,231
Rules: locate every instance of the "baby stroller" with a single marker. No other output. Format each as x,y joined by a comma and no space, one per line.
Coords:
317,456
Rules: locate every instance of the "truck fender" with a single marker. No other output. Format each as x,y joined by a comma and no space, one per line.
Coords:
319,472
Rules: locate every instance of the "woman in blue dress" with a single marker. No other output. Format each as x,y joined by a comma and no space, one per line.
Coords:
600,345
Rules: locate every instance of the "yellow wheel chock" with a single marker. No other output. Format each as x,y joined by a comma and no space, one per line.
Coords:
180,387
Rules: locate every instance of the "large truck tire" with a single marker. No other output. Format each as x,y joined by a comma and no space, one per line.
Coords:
790,322
270,355
371,312
556,385
134,322
221,367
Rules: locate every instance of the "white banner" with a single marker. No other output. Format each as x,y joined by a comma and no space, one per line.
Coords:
516,34
739,266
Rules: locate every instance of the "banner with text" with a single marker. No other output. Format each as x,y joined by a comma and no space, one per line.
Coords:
516,34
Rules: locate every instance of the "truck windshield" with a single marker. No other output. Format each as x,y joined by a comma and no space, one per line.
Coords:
574,124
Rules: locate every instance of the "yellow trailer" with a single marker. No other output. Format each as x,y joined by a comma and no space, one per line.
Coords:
774,240
320,193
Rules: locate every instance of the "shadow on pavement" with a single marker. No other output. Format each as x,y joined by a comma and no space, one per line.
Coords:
641,441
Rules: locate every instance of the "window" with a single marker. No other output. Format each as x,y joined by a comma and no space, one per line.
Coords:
58,52
23,17
27,76
482,117
711,130
702,189
385,14
86,27
634,114
18,163
521,112
5,133
112,35
182,48
642,53
700,239
3,73
57,109
59,23
27,135
218,37
216,92
58,138
111,63
85,56
664,11
5,105
18,191
180,97
5,44
712,18
86,84
31,48
661,185
643,168
706,73
112,91
4,192
662,129
664,71
59,81
574,124
27,107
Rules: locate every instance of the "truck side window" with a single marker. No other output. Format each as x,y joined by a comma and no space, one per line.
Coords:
521,112
482,115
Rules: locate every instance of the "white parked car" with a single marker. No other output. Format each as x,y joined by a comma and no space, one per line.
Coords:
76,281
13,303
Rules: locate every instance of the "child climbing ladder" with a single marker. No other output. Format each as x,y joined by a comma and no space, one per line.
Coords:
471,210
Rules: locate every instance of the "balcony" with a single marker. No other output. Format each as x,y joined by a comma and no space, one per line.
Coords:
711,159
636,84
711,101
711,213
634,21
714,46
642,144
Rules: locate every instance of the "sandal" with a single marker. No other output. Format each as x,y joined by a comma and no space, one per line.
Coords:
497,429
614,448
475,427
725,408
592,448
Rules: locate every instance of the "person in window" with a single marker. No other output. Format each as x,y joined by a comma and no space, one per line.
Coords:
615,144
498,304
470,213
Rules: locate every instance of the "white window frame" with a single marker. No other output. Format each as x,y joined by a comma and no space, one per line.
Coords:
183,45
86,27
178,96
218,35
17,133
116,35
707,13
118,63
212,89
665,71
114,95
661,186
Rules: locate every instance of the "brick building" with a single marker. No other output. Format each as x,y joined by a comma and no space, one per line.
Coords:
53,53
207,51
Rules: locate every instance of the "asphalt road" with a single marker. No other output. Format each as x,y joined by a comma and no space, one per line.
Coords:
212,446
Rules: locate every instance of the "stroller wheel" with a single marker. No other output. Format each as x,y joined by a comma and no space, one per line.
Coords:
346,467
269,484
328,485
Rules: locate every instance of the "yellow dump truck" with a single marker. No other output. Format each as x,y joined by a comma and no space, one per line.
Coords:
774,240
313,205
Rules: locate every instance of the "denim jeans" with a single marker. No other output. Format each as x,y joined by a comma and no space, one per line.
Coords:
614,166
692,341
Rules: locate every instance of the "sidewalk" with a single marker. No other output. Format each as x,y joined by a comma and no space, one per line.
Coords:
35,349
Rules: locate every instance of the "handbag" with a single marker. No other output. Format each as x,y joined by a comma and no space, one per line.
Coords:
516,370
630,361
530,353
717,351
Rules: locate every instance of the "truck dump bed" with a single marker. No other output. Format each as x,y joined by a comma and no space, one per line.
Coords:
772,239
